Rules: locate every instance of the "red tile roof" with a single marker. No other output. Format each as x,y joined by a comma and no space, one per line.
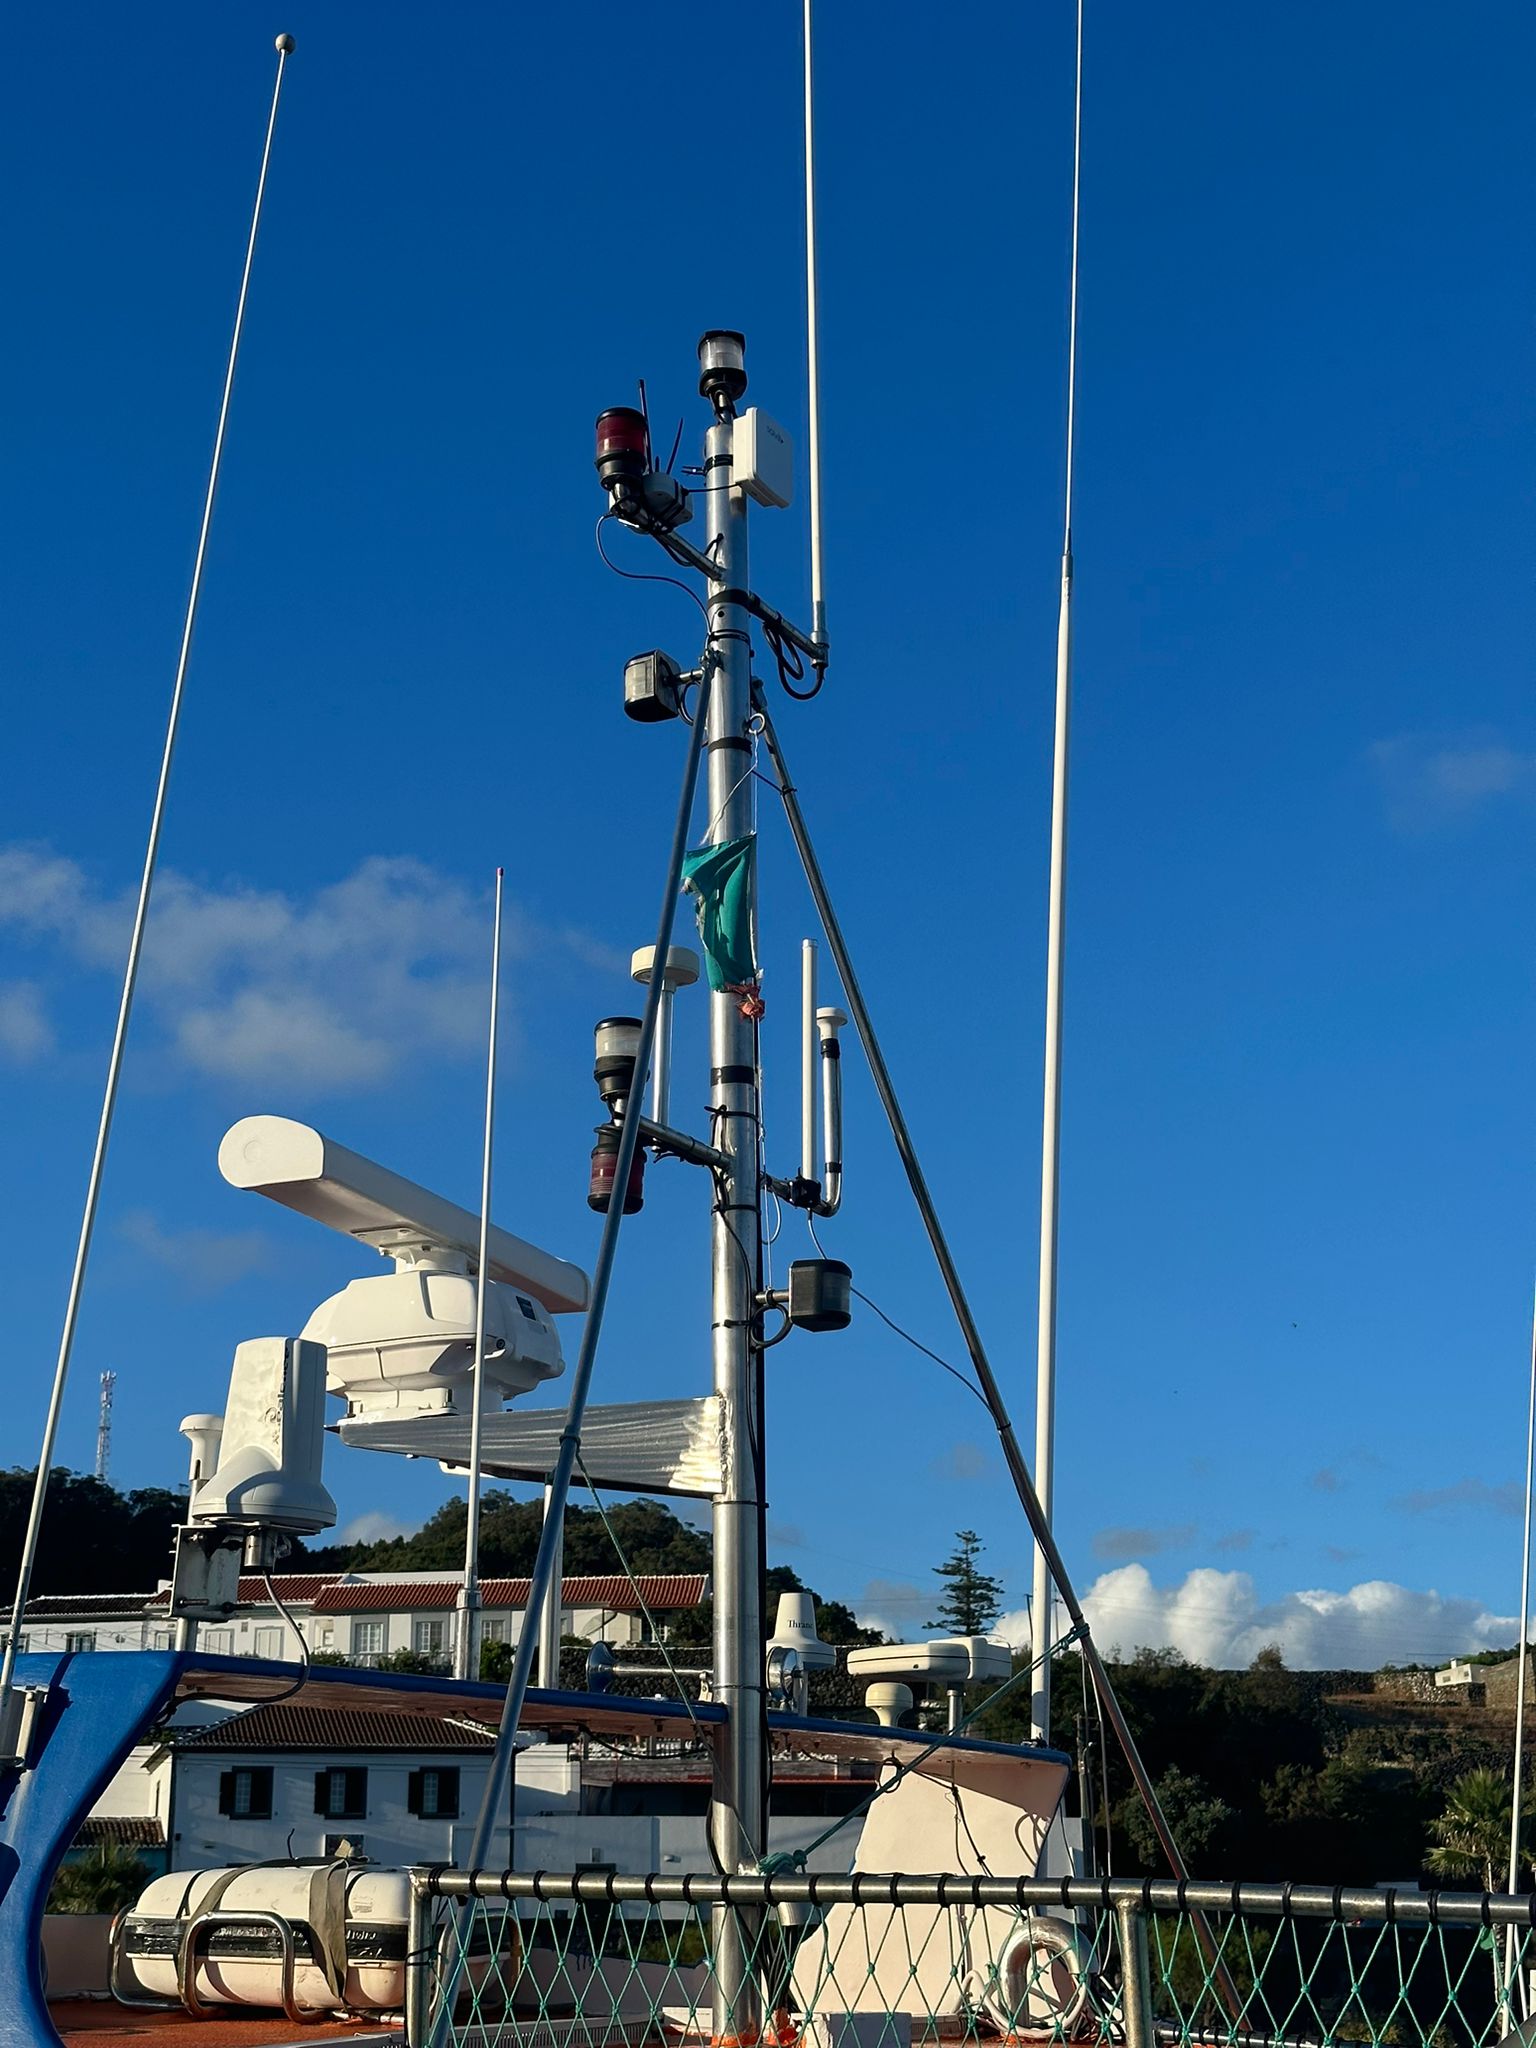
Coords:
338,1731
128,1831
664,1593
291,1588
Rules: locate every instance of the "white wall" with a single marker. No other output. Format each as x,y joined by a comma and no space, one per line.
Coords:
140,1790
548,1779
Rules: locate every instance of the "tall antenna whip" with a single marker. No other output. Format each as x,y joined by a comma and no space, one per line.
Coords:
1507,2012
1050,1144
466,1662
813,354
131,970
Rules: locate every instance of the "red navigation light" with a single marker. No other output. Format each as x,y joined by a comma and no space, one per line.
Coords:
623,446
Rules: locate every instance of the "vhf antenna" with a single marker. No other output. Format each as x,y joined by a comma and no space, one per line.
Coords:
1050,1137
11,1747
813,361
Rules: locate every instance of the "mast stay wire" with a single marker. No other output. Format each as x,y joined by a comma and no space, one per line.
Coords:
494,1794
1029,1500
135,947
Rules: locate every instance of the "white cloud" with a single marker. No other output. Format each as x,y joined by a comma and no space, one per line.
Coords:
1217,1618
894,1607
203,1260
1508,1499
962,1463
374,1525
1113,1544
1429,782
25,1032
327,991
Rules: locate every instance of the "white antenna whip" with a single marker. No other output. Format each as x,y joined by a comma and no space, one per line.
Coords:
1050,1142
135,947
1506,2011
466,1651
813,356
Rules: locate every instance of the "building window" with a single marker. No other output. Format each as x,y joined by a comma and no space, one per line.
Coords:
351,1848
431,1636
367,1641
341,1794
434,1794
77,1639
218,1642
269,1643
161,1639
494,1629
246,1794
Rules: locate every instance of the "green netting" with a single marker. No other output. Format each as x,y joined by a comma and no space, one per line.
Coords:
600,1975
888,1972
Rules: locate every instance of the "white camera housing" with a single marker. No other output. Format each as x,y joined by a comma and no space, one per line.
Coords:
403,1343
269,1459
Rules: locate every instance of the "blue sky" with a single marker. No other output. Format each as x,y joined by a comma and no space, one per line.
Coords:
1298,1231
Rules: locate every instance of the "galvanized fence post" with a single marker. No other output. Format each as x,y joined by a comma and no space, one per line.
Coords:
418,1961
1135,1974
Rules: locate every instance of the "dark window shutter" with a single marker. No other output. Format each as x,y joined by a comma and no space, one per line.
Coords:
357,1794
413,1793
261,1793
226,1791
448,1794
322,1788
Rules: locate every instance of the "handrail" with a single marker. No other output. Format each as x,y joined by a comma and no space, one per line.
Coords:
187,1960
1393,1904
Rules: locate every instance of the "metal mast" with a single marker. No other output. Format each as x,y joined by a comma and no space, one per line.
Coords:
104,1425
1050,1140
738,1815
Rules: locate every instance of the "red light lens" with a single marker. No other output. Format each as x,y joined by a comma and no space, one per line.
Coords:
621,431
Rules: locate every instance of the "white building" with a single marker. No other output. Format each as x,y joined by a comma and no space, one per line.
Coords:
360,1617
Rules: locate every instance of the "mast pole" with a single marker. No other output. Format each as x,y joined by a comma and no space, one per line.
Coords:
466,1649
1056,941
738,1804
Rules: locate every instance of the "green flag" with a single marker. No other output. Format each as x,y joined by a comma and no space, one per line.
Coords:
721,879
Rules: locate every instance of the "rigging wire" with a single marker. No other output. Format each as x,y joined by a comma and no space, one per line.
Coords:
136,939
634,1583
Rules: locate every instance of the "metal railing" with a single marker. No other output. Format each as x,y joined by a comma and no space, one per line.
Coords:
591,1960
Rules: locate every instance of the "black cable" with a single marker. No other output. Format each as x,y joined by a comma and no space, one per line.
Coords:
791,666
303,1677
906,1335
645,575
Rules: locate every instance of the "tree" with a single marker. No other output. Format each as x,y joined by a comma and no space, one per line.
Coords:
1193,1811
1473,1838
1472,1835
104,1880
972,1599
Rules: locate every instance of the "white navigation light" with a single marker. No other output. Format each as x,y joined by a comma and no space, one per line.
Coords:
403,1343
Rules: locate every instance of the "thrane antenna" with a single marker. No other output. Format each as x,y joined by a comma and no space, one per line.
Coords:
104,1425
9,1711
1050,1137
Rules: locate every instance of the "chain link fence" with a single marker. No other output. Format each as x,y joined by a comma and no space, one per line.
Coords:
593,1960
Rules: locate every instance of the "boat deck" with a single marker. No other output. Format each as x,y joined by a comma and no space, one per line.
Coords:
102,2023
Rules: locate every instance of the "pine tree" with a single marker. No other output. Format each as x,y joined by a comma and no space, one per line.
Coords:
972,1599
